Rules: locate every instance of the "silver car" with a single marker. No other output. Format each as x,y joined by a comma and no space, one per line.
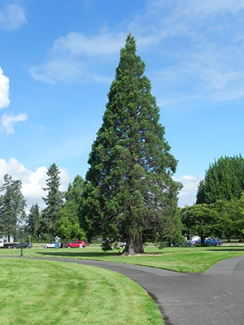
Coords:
51,244
190,243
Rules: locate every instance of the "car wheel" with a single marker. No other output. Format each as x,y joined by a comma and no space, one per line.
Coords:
69,247
14,247
217,245
45,246
191,245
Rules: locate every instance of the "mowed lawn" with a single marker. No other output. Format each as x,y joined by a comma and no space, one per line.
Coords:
49,292
182,259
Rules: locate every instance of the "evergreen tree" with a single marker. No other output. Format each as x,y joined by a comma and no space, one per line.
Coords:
54,201
224,180
12,207
33,218
68,226
129,191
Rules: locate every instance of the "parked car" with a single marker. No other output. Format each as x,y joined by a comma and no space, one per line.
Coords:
190,243
76,244
171,244
210,241
51,244
123,244
24,245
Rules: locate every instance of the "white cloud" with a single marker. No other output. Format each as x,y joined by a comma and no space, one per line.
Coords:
12,17
105,43
187,195
68,58
198,47
4,90
66,70
32,182
7,122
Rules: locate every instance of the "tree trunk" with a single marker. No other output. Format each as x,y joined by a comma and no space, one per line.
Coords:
202,240
134,245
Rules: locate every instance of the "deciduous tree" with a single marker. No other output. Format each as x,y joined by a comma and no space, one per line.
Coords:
68,226
224,180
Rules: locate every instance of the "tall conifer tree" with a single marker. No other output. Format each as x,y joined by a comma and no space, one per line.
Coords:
129,191
54,201
12,207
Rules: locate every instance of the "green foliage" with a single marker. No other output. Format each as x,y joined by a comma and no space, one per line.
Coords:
54,201
33,220
220,219
68,226
224,180
129,191
106,246
12,206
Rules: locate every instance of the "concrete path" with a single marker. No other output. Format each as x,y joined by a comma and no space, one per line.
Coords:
215,297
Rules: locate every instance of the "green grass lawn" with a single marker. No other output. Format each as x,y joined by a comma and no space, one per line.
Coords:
51,293
182,259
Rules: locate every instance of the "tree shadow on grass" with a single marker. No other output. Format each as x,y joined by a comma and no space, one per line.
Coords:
79,254
226,249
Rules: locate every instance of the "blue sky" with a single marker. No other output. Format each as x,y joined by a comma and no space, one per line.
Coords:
58,59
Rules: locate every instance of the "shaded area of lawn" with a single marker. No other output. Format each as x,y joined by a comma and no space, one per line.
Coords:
182,259
50,293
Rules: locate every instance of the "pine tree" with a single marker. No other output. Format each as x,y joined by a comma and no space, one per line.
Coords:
68,226
54,201
33,219
129,192
12,207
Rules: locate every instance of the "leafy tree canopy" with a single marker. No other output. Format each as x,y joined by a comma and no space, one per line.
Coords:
129,192
224,180
220,219
68,226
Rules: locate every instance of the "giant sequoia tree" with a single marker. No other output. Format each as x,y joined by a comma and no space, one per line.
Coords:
129,191
224,180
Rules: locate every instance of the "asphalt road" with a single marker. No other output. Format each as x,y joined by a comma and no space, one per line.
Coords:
215,297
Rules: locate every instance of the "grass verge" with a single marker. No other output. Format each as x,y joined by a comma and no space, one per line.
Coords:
50,293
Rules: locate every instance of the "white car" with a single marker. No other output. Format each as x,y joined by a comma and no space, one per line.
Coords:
51,244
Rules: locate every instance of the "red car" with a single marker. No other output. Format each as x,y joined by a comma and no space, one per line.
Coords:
76,244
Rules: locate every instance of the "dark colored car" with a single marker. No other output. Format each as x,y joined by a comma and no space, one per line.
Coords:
76,243
210,241
171,244
123,244
190,243
24,245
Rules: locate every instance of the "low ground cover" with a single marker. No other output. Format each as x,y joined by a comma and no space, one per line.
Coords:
50,293
182,259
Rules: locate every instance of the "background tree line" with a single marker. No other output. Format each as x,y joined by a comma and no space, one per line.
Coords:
59,217
219,208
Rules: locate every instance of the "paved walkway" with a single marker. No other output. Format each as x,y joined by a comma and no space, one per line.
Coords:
215,297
